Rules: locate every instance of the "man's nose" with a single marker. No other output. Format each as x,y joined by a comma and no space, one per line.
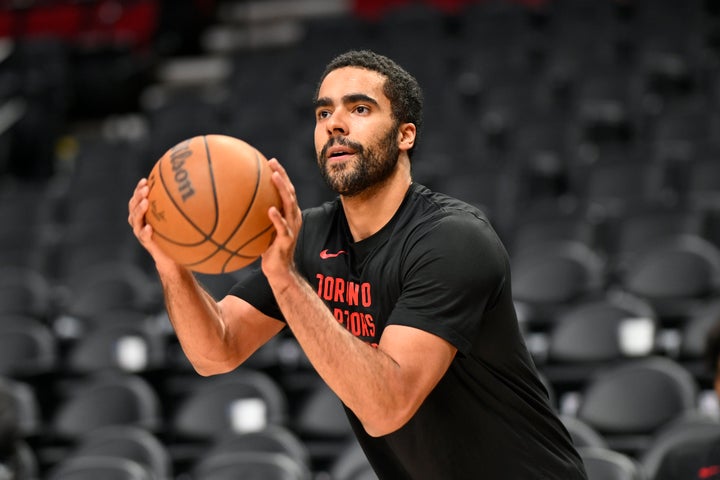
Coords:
336,124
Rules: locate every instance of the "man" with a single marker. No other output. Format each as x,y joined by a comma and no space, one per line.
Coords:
400,298
697,458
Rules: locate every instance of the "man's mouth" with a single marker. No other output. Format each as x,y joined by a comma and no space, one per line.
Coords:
338,153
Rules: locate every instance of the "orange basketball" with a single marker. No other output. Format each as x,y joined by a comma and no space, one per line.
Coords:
209,199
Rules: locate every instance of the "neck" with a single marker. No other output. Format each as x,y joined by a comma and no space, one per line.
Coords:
371,209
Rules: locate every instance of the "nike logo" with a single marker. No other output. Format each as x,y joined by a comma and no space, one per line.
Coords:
707,472
325,254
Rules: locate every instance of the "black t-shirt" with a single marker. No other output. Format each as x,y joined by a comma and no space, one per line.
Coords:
438,266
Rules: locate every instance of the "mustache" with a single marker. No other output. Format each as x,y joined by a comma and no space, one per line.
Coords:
343,142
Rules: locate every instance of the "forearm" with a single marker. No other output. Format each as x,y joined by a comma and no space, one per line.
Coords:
208,331
365,378
197,321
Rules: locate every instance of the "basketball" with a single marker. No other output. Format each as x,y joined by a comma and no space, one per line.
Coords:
208,203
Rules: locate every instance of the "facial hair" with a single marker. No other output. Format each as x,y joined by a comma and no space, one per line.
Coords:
371,165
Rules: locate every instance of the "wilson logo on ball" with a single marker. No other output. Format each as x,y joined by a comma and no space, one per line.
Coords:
178,154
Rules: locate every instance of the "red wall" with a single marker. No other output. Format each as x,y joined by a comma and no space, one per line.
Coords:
129,22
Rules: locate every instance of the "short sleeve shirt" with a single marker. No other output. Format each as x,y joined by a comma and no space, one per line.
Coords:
437,266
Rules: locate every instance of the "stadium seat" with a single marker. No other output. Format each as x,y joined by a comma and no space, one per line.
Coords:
28,348
550,276
593,334
628,403
19,423
702,186
607,464
583,435
248,465
127,442
95,467
210,408
104,400
106,286
647,223
25,291
27,406
676,276
241,401
123,347
682,131
271,439
550,220
611,188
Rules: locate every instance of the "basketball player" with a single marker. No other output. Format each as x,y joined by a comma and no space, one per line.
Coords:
400,298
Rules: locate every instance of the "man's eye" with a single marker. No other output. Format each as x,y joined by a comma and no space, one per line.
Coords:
361,109
323,114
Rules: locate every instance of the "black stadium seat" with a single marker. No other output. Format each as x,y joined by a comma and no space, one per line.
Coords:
128,442
606,464
630,402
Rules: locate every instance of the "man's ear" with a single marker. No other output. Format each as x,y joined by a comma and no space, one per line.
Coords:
406,136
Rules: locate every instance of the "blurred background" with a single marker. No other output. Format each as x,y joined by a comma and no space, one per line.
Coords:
587,130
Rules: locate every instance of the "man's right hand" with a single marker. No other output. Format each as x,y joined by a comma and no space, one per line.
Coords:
137,208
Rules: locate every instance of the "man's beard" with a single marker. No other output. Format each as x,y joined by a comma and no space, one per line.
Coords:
371,166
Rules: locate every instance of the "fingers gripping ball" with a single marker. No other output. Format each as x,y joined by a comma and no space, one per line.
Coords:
209,197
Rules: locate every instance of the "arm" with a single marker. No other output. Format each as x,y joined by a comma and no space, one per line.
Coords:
215,336
383,386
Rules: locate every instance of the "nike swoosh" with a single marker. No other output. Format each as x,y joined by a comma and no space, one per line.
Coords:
325,254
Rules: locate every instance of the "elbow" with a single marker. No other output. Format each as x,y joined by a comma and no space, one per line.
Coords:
208,369
207,372
204,371
377,431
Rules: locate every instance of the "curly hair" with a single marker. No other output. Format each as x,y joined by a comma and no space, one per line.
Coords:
401,88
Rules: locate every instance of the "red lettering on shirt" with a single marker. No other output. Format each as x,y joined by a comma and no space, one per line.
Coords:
340,293
353,294
339,296
339,290
365,294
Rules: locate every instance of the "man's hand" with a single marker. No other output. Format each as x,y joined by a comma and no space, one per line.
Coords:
278,261
137,208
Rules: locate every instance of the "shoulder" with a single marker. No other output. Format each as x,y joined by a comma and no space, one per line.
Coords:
450,221
438,201
449,234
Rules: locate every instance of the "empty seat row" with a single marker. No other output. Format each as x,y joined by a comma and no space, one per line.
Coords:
637,409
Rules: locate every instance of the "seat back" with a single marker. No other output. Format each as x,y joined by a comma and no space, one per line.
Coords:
104,400
127,442
628,403
250,466
605,464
